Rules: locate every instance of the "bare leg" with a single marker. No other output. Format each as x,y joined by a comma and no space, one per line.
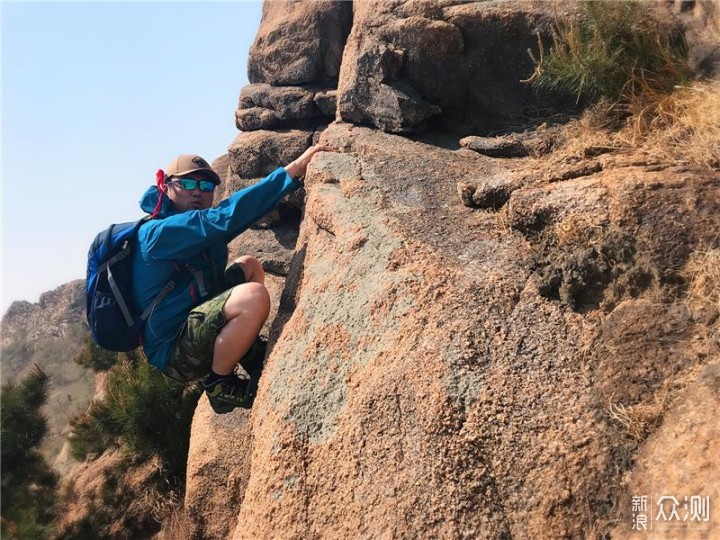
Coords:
246,310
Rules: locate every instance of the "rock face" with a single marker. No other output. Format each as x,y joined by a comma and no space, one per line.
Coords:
294,65
218,470
455,65
465,346
299,42
418,331
669,464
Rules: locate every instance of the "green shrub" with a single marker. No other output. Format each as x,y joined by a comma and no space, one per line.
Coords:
149,416
95,357
152,412
93,432
28,484
143,411
613,50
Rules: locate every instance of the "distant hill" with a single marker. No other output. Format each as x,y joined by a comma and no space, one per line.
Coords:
50,333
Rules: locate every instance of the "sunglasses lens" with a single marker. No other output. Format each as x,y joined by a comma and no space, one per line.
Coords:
187,183
191,185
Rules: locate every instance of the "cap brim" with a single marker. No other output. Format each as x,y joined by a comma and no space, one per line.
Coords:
208,172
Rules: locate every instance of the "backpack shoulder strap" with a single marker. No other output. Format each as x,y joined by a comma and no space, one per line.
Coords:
169,286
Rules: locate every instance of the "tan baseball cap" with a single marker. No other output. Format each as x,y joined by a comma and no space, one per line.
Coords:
191,163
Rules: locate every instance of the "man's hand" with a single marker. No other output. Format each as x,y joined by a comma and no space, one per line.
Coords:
297,168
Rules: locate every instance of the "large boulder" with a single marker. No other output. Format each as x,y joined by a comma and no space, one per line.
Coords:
300,43
255,154
421,381
217,471
466,346
457,64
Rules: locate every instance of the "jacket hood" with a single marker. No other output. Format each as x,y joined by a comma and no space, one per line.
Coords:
149,200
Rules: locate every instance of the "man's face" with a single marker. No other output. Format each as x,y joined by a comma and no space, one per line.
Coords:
190,199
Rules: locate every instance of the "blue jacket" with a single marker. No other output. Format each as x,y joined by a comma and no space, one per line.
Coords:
197,238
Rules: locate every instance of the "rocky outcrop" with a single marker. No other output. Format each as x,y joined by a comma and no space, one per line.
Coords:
294,66
466,345
418,332
299,42
452,65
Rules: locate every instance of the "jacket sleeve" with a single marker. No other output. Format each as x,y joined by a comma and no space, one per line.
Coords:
183,235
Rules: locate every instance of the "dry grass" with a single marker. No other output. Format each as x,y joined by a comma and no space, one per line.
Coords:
578,228
682,128
641,420
177,525
594,129
702,273
502,219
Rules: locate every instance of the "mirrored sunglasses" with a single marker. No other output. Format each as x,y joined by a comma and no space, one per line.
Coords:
190,185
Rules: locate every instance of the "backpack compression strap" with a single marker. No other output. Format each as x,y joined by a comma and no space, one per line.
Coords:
114,287
169,286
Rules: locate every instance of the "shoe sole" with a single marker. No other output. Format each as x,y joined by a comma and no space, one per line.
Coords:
222,408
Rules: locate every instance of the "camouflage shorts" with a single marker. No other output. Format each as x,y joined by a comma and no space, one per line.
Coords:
192,355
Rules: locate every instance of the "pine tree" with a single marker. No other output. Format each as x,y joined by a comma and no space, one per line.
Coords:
28,484
94,357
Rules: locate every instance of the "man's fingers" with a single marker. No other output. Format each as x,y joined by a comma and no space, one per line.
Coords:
322,148
325,148
310,152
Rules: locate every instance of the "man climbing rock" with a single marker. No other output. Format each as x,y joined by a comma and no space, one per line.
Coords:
204,317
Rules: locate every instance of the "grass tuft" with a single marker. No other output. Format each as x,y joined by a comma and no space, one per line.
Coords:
612,50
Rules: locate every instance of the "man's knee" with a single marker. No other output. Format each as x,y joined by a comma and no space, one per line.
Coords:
250,299
252,268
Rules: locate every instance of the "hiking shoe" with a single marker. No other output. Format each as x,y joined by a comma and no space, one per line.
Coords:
229,393
255,358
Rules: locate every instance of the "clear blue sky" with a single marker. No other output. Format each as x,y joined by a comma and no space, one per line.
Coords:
95,98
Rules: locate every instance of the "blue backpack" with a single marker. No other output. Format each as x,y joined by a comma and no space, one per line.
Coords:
115,321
